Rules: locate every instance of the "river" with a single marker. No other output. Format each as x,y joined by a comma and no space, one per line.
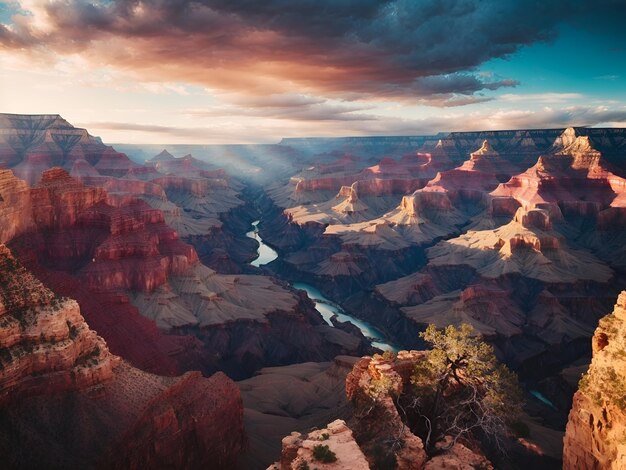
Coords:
265,254
325,307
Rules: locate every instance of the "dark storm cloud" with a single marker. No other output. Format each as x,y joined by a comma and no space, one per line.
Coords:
424,50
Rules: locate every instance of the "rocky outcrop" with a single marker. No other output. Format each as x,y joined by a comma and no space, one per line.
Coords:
299,450
594,438
527,245
378,425
52,364
15,206
46,344
377,435
117,244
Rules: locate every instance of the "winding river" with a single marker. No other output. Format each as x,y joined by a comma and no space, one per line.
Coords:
265,254
324,306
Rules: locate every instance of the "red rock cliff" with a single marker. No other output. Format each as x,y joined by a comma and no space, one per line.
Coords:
596,429
67,402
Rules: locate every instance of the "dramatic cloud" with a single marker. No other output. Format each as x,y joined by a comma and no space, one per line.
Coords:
250,70
426,50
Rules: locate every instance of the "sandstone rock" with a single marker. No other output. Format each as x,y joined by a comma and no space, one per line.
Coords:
53,365
476,176
298,449
379,424
574,176
595,429
46,343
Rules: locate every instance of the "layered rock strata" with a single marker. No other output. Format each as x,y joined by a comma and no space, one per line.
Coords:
594,437
67,402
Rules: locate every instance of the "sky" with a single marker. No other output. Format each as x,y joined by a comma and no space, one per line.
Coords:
246,71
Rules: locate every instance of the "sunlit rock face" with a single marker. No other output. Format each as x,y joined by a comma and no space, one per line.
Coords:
481,173
298,448
53,364
46,343
574,176
117,244
519,233
597,421
15,206
32,143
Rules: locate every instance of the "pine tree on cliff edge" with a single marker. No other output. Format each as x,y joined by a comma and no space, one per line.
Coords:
462,391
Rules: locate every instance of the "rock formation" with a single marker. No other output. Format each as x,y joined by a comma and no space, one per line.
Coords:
527,245
30,144
573,177
299,450
45,340
376,436
481,173
594,438
52,364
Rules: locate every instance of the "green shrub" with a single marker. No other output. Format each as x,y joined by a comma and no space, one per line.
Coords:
389,355
324,454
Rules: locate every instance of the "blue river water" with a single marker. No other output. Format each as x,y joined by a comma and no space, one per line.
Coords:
324,306
539,396
265,254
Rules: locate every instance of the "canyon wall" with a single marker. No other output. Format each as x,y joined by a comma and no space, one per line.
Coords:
595,438
52,364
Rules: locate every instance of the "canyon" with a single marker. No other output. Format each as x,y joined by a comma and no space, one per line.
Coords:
286,268
53,364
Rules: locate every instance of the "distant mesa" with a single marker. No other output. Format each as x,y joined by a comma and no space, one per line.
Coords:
161,157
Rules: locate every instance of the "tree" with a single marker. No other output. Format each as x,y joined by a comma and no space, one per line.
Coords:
461,390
